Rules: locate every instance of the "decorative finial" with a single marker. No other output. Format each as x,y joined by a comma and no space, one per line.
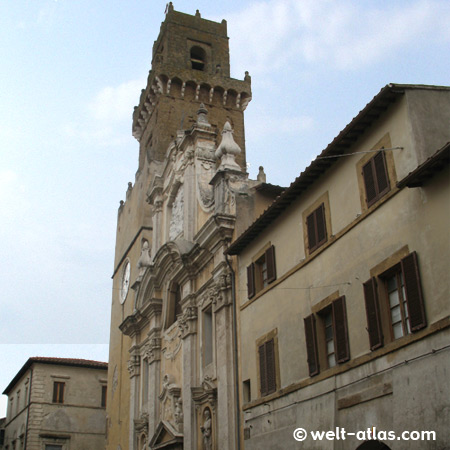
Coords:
201,116
228,149
261,175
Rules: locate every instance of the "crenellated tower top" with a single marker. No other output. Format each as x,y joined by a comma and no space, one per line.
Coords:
190,66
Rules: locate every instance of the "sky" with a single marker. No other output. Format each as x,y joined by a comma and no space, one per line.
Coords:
71,73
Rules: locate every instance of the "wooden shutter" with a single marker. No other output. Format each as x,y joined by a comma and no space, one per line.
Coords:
270,262
267,369
321,225
311,345
55,392
340,330
262,369
413,289
369,183
311,228
373,314
270,366
381,173
251,280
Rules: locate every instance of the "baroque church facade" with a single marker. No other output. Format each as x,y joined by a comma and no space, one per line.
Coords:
345,271
173,337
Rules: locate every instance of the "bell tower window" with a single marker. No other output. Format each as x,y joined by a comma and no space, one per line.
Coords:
198,58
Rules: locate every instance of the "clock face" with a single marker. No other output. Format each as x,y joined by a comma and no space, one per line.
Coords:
125,282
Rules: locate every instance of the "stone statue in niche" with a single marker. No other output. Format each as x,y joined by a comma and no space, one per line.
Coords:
144,260
177,219
206,430
178,414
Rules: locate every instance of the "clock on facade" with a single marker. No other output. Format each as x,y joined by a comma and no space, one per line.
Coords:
125,282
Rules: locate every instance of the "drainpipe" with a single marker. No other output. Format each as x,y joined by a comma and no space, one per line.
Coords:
28,409
236,359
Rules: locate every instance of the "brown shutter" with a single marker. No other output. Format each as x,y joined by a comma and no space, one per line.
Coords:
251,280
262,369
55,392
381,173
373,314
321,225
311,345
311,228
413,289
340,330
270,262
369,183
270,366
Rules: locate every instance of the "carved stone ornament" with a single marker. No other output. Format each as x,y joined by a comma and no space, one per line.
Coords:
144,260
134,365
228,150
141,424
152,350
187,322
171,404
115,380
205,394
177,219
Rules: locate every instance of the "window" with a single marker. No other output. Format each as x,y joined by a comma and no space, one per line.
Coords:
267,368
246,390
316,228
327,337
376,179
174,308
394,302
58,392
198,58
103,398
207,337
262,272
2,437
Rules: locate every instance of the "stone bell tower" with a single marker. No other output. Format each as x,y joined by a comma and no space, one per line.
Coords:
171,357
190,65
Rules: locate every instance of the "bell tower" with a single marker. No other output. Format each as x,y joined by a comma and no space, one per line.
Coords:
190,66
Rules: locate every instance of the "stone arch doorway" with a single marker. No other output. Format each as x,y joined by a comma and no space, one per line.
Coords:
373,445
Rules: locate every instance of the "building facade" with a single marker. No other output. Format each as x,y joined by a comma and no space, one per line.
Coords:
173,338
344,317
57,404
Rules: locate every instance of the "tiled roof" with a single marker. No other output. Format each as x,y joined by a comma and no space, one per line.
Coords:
359,124
427,169
74,362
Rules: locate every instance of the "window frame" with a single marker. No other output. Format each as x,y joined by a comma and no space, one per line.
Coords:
378,311
268,367
59,388
375,173
264,262
316,228
315,334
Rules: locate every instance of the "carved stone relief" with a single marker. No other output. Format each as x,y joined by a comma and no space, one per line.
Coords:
177,218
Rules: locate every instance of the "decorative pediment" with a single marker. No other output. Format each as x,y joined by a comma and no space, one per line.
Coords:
166,436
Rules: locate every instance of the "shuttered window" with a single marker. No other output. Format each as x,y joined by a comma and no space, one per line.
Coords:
376,180
58,392
413,289
340,330
311,345
332,334
262,272
251,280
373,314
316,227
400,309
267,369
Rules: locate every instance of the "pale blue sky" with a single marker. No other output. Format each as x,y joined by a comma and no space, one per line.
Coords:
72,70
